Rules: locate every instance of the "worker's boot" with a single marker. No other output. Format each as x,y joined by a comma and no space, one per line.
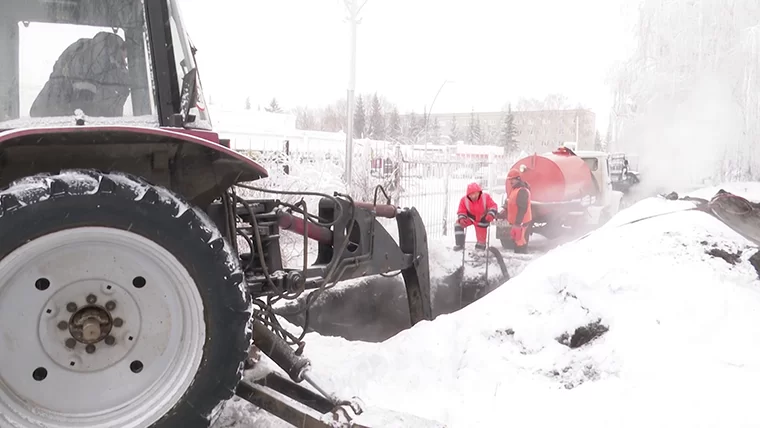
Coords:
480,246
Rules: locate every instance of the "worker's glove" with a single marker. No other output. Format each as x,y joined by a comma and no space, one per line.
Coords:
464,222
489,218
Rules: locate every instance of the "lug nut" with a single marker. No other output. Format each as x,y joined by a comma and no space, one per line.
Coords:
110,340
110,305
71,343
63,325
118,322
71,307
90,349
91,299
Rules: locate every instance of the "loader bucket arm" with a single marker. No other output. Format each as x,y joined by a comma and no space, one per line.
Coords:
355,245
371,250
351,243
413,240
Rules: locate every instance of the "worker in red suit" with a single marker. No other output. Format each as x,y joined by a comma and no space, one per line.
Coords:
519,214
478,209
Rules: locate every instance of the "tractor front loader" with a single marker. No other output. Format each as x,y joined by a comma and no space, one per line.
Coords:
134,277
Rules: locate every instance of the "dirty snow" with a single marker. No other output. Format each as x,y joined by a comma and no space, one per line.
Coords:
680,349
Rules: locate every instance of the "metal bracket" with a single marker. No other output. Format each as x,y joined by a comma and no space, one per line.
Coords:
293,403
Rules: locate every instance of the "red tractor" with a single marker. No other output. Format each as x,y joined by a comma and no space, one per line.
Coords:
126,298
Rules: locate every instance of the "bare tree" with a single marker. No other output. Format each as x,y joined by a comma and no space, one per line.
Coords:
691,87
305,119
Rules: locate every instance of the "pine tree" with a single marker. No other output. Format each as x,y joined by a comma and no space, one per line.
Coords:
273,107
598,141
509,132
454,133
608,136
394,125
360,121
424,124
435,131
305,119
247,103
414,126
376,121
473,134
331,120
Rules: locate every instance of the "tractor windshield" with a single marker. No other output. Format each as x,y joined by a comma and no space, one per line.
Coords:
60,59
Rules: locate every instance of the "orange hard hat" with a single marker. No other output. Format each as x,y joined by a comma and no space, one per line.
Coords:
513,173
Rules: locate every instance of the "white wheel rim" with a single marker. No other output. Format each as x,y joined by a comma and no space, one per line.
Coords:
164,318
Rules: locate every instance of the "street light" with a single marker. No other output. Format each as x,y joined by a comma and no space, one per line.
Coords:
427,116
353,19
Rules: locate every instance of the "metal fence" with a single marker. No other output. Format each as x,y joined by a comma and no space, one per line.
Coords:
433,183
435,186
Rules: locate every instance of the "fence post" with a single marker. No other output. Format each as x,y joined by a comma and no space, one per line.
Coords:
447,197
397,190
286,167
491,172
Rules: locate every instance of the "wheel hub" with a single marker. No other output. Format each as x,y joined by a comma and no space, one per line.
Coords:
91,324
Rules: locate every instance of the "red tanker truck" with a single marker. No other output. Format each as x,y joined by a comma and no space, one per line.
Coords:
571,193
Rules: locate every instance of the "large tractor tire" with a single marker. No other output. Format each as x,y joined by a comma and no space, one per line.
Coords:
120,306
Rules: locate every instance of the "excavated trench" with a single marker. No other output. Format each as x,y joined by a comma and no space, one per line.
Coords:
376,308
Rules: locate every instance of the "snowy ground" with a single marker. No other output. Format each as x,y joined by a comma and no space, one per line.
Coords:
678,346
373,309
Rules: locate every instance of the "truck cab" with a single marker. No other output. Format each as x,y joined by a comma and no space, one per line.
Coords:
607,201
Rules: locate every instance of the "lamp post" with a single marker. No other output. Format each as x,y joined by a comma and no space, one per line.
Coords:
427,116
353,19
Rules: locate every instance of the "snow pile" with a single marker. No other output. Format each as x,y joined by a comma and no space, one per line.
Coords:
644,324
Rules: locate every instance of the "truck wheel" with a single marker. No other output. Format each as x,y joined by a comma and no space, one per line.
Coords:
120,306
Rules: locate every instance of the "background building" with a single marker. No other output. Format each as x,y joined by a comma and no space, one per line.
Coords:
538,130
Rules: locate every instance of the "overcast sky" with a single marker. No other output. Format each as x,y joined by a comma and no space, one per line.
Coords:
493,50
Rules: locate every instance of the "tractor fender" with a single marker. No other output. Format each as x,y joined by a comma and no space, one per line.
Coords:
189,163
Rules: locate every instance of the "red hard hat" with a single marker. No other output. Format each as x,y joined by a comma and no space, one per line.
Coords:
513,173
